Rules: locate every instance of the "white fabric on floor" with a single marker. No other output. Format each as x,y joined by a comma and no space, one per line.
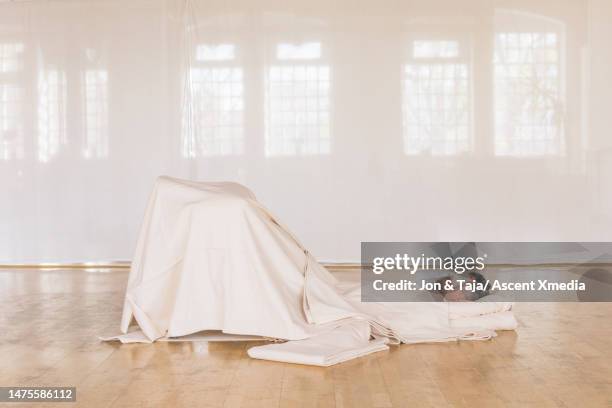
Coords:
343,343
137,336
491,321
210,257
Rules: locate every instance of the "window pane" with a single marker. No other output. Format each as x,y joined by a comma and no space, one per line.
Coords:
436,108
297,110
528,106
214,120
96,113
51,112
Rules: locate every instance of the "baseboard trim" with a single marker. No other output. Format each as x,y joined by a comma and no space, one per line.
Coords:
75,265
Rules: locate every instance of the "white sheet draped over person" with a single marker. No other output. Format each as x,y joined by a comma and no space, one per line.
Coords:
211,257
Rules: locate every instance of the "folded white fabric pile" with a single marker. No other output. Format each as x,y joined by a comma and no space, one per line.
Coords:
348,341
485,315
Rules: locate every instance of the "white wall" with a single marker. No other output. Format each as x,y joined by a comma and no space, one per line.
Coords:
99,97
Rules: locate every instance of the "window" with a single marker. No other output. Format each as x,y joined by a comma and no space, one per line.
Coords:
297,107
11,101
96,113
215,109
437,98
51,112
528,102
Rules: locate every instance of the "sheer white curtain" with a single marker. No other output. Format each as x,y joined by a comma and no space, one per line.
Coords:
413,121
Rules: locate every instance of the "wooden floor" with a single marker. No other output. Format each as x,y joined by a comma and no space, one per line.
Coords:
561,356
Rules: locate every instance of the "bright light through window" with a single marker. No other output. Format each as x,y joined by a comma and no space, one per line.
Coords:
215,109
298,102
11,57
96,113
528,101
51,112
437,100
11,101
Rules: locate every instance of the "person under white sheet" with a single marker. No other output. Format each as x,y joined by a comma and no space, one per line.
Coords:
211,257
459,293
